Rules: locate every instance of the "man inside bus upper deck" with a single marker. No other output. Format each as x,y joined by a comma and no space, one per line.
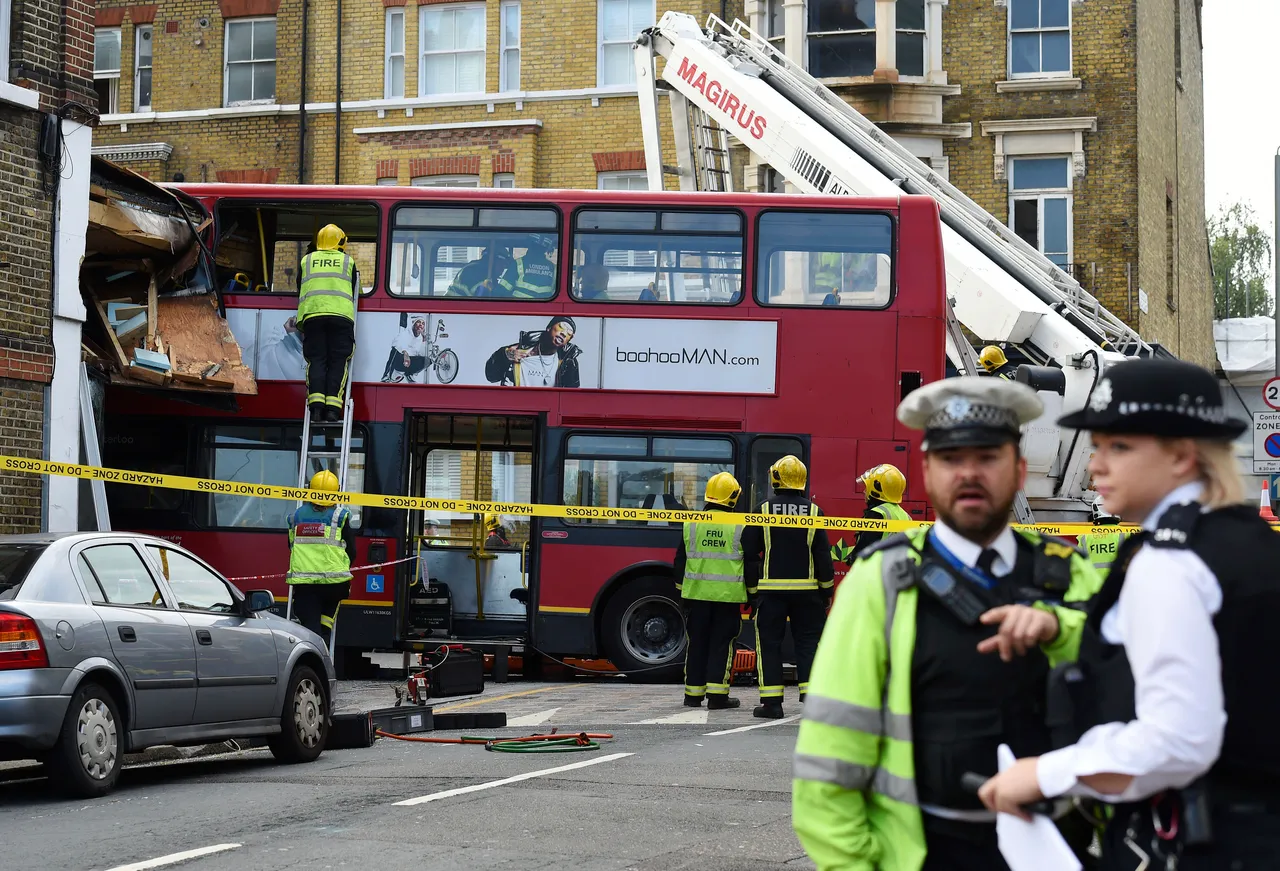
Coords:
480,276
327,319
532,275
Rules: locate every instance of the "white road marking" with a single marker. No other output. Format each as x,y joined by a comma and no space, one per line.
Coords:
533,719
755,726
528,775
698,716
175,858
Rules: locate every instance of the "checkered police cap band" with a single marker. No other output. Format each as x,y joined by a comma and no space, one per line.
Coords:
960,411
1197,407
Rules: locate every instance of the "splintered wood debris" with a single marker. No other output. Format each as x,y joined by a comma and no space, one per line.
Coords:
152,317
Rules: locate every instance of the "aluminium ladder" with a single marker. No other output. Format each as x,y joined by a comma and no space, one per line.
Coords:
315,458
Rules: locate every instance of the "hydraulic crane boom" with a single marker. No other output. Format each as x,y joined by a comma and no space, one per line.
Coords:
729,79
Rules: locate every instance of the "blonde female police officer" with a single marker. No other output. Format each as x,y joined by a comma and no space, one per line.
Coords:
1176,682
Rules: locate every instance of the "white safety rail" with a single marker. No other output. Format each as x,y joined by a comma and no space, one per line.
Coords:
1001,288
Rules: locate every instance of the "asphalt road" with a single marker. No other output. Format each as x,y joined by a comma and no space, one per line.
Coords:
664,794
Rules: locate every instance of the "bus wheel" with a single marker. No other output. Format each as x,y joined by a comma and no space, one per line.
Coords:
642,630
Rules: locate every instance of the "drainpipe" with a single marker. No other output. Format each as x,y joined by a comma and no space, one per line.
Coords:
337,116
302,99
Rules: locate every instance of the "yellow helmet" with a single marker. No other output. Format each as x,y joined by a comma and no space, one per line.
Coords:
788,474
324,480
723,489
331,238
492,523
992,358
884,482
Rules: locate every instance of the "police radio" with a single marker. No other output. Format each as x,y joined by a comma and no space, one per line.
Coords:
962,600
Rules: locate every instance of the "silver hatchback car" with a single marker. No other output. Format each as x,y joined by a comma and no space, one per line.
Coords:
114,642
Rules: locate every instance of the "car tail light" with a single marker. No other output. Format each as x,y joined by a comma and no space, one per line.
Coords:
20,643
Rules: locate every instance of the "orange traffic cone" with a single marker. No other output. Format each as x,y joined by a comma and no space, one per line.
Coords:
1264,506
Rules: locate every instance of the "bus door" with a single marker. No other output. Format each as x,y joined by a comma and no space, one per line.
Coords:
471,581
765,451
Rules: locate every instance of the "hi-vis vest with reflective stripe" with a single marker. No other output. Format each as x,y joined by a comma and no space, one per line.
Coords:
788,585
317,554
713,563
1102,548
854,801
535,278
328,286
890,511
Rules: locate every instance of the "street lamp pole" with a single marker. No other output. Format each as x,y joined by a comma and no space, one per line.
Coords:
1275,300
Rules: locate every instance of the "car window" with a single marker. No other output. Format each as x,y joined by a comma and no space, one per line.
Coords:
197,588
16,561
116,575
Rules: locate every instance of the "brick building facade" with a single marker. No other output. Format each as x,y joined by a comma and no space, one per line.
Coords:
44,73
1079,122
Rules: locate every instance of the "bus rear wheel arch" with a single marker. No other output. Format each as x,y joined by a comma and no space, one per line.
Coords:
642,630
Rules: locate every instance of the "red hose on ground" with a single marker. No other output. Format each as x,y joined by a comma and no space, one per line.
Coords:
583,738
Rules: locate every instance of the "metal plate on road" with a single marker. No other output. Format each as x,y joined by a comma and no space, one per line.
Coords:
1271,393
1266,442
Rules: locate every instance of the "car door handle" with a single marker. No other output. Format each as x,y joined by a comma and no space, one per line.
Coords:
203,636
127,633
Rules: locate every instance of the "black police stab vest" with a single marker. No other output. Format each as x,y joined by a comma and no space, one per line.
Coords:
965,703
1243,553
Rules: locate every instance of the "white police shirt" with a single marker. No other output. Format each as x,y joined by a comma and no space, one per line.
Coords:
1164,619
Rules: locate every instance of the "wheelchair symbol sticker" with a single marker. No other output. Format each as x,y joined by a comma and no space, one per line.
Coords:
373,584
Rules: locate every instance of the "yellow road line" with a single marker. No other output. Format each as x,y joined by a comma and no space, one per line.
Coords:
475,702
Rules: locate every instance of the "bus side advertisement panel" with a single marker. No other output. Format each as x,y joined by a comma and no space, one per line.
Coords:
470,350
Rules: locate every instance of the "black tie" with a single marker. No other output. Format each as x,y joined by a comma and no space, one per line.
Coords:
987,561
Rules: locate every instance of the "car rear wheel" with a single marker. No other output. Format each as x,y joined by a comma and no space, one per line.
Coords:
86,761
304,725
643,631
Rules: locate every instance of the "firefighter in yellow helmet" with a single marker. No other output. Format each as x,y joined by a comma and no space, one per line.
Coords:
322,547
327,318
791,567
996,363
496,533
711,580
884,487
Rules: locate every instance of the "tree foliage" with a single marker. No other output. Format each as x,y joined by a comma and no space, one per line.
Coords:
1241,254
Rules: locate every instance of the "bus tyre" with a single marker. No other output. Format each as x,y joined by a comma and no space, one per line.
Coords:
86,761
304,723
642,630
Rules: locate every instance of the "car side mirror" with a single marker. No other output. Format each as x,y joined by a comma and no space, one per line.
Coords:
259,600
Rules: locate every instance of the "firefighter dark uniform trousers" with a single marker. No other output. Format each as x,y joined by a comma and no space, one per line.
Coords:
796,581
326,317
713,586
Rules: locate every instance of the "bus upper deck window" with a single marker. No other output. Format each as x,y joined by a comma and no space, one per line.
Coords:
841,259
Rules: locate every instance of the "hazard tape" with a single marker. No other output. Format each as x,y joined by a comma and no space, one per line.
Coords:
475,506
394,562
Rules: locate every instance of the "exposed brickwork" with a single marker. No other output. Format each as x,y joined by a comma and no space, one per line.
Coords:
142,14
388,169
248,176
246,8
504,162
616,161
57,63
21,434
109,17
469,165
1118,212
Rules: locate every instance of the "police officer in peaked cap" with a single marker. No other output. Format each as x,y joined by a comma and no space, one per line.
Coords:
1174,703
907,693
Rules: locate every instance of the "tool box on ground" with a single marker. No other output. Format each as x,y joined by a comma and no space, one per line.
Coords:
350,731
403,720
480,720
430,611
453,670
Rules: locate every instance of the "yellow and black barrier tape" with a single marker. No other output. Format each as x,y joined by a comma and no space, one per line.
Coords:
475,506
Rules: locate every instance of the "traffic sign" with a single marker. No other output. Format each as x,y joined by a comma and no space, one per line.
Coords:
1266,442
1271,393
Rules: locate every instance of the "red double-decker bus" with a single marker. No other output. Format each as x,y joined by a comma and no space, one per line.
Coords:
597,348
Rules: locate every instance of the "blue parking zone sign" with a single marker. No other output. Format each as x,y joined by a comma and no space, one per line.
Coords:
373,583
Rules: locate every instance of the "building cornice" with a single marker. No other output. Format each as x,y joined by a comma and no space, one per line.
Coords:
1070,139
1040,125
462,125
138,151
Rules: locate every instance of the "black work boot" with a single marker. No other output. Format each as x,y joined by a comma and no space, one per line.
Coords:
802,695
332,415
692,701
769,711
720,702
317,412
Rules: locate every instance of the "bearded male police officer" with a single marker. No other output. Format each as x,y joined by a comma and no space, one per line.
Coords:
796,579
904,698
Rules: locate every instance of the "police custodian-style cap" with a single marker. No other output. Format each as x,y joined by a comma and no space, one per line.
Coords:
1169,398
970,411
